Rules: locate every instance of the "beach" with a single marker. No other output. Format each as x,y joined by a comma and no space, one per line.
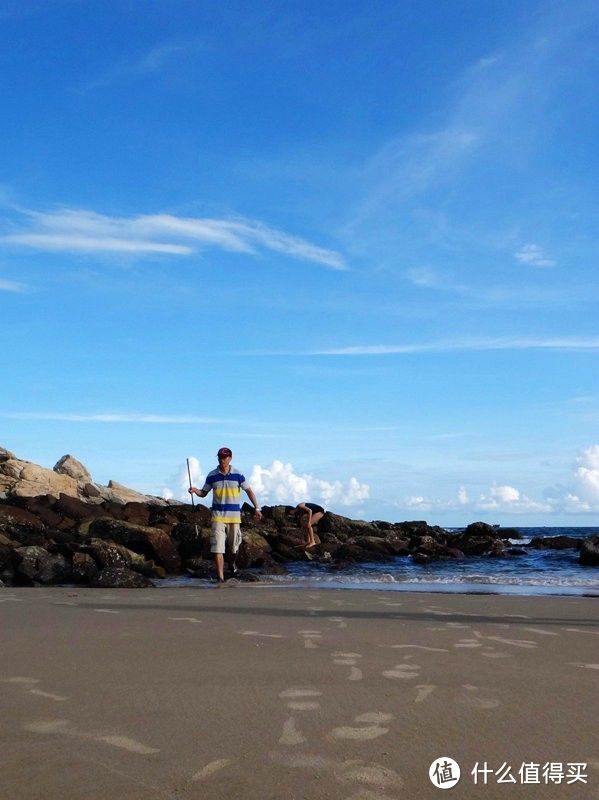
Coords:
256,691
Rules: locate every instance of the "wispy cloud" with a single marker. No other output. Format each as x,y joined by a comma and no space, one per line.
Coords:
154,419
12,286
448,345
533,255
150,62
76,230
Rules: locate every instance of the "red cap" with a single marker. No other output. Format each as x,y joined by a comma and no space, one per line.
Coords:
224,451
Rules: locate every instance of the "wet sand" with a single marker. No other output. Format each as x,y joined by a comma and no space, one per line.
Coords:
264,692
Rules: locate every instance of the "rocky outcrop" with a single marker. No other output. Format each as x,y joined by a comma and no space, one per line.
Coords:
19,478
589,551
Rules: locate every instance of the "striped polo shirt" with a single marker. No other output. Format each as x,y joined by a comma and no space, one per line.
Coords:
226,494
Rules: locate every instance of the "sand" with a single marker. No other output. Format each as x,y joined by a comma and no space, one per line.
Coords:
247,691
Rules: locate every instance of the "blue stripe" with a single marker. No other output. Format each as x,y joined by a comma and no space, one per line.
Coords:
236,477
225,506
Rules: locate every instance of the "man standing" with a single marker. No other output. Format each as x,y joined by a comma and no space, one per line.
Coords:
226,483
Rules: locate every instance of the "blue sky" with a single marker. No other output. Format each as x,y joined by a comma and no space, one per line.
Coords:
357,243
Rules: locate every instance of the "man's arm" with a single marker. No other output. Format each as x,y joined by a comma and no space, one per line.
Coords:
250,493
199,492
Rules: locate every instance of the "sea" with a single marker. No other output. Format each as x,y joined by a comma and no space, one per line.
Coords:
538,572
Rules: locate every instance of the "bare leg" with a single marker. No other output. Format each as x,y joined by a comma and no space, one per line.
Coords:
220,566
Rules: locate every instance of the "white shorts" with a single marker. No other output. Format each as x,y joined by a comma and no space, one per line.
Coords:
222,533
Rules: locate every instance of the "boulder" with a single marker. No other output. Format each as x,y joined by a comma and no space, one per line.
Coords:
589,551
481,529
153,543
5,455
119,578
554,542
85,568
36,565
254,550
68,465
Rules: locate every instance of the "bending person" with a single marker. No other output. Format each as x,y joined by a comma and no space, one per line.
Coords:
309,514
226,483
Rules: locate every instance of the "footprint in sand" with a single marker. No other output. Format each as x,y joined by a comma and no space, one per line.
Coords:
185,619
467,643
473,697
210,769
297,699
106,611
65,727
585,666
402,672
262,635
350,659
527,644
57,697
311,639
424,689
369,778
371,727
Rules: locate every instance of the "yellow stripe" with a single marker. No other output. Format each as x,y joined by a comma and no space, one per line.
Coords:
226,519
232,494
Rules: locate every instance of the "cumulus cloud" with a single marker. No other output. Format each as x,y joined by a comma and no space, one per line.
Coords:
508,499
505,499
584,494
177,485
77,230
279,484
533,255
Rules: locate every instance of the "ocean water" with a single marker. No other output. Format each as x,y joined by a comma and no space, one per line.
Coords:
537,572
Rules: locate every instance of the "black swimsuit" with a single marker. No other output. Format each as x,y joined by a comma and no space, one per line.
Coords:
314,508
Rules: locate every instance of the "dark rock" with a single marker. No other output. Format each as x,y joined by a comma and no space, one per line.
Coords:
189,543
515,551
589,551
254,550
36,565
106,554
153,543
6,455
344,527
85,568
200,568
137,513
91,491
12,515
76,509
554,542
119,578
510,533
481,529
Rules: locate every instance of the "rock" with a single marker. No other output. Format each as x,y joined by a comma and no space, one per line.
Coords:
589,551
344,527
554,542
254,550
150,542
11,515
116,578
481,529
29,480
68,465
84,567
510,533
5,455
107,554
515,551
189,543
36,565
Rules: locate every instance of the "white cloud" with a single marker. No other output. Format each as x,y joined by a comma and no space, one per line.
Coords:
533,254
76,230
156,419
177,486
423,276
448,345
508,499
12,286
587,477
279,484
